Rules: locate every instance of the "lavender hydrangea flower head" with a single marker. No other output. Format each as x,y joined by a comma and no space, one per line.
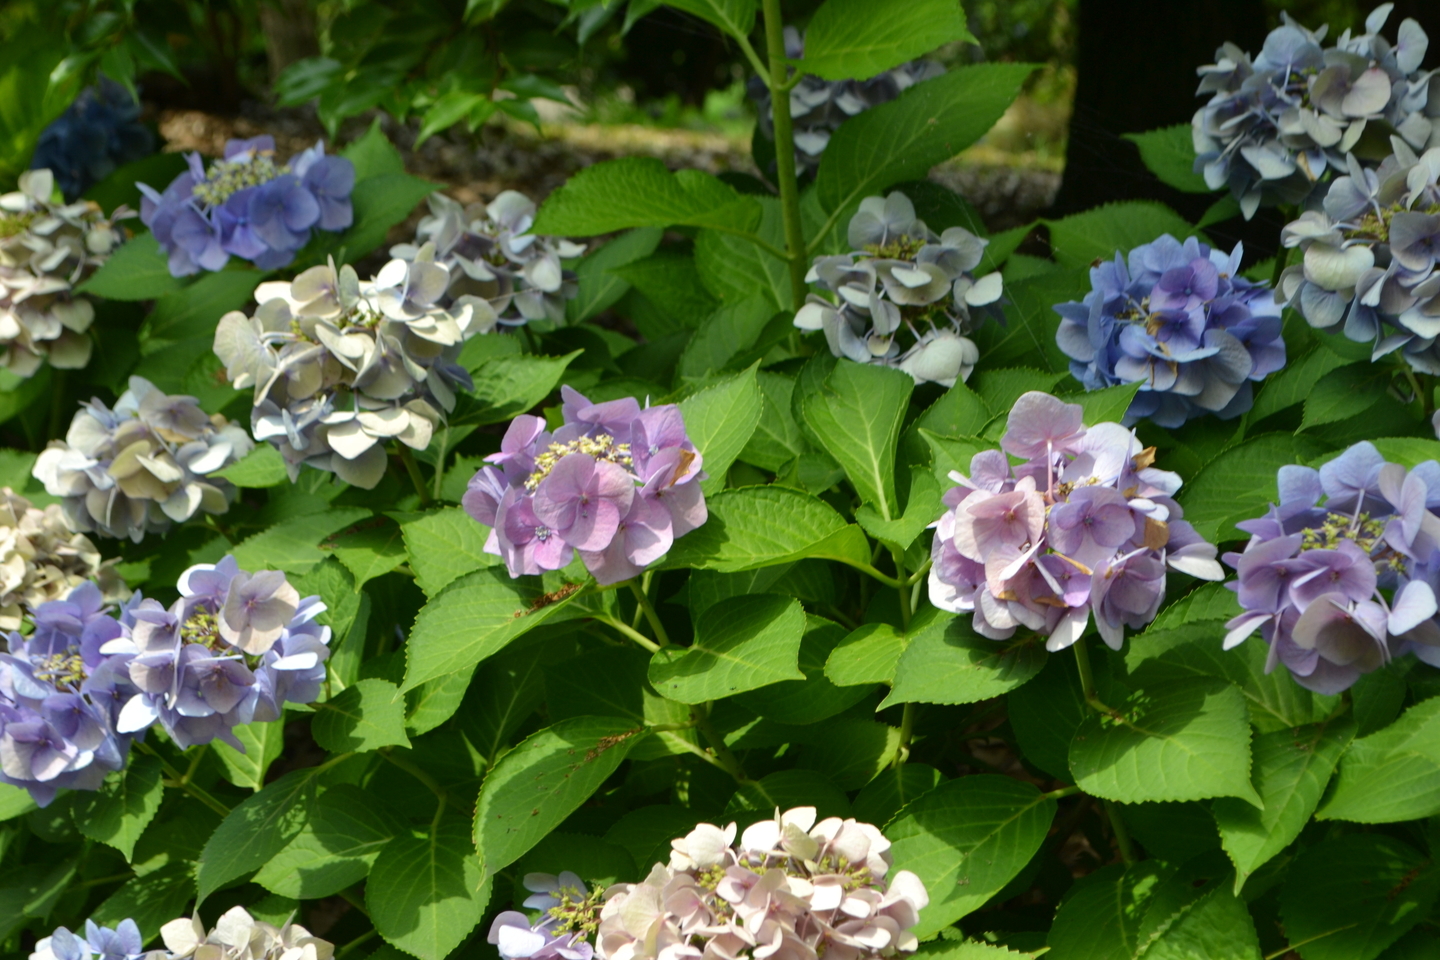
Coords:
1274,125
239,936
121,942
1340,576
1370,258
147,463
1179,319
232,650
507,274
248,205
790,887
41,559
98,133
617,483
569,915
1086,526
905,297
60,697
818,107
47,249
340,366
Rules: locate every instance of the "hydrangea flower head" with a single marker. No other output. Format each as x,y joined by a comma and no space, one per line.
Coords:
232,650
60,698
41,559
1370,264
617,483
239,936
121,942
248,205
1275,124
818,107
905,297
341,366
507,274
1180,320
1086,526
98,133
1341,576
47,249
790,887
569,916
143,465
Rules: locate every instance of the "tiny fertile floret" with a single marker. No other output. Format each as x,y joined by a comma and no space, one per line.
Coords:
1086,525
616,482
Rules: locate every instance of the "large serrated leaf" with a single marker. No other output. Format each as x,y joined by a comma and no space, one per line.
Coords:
347,830
858,39
856,414
256,830
1391,775
957,665
366,716
123,807
720,421
444,546
742,643
425,894
1169,152
754,527
641,192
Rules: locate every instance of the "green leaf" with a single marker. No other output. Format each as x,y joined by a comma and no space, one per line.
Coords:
1100,233
669,280
1343,393
256,830
124,805
1287,387
366,716
815,698
1349,898
509,386
955,664
742,643
857,415
725,334
1107,405
263,742
444,546
1406,451
923,506
1292,768
435,701
14,802
883,797
868,655
596,861
762,526
598,288
501,697
473,618
967,950
734,17
261,467
294,546
646,833
966,839
641,192
856,39
371,550
138,270
720,421
783,789
152,900
1239,482
1391,775
734,267
1100,916
1169,152
777,439
1209,601
542,781
1001,387
901,140
448,110
425,894
380,202
192,313
1028,335
1180,739
611,682
347,830
1194,914
852,752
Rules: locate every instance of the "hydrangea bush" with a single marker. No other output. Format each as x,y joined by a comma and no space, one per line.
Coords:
701,568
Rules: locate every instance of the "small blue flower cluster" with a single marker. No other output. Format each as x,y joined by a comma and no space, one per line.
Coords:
248,205
96,134
73,694
1181,321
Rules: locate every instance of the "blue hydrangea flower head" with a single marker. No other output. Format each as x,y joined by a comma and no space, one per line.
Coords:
1179,319
1275,126
248,205
98,133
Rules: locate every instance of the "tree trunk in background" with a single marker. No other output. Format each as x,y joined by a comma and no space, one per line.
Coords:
1135,64
290,34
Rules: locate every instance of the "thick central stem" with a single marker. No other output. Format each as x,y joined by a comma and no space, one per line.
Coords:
785,150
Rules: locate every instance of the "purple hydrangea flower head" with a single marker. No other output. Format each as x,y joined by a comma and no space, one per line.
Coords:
99,132
904,297
1275,125
121,942
1371,257
1180,320
1085,526
616,483
232,650
568,916
1341,576
248,205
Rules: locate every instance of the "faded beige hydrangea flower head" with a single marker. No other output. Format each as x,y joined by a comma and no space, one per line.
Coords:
239,936
42,560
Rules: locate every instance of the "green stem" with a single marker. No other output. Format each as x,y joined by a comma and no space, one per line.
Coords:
728,760
1122,837
413,468
644,601
868,569
785,151
756,63
179,780
907,730
359,941
903,589
1087,681
1282,259
1062,793
631,632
